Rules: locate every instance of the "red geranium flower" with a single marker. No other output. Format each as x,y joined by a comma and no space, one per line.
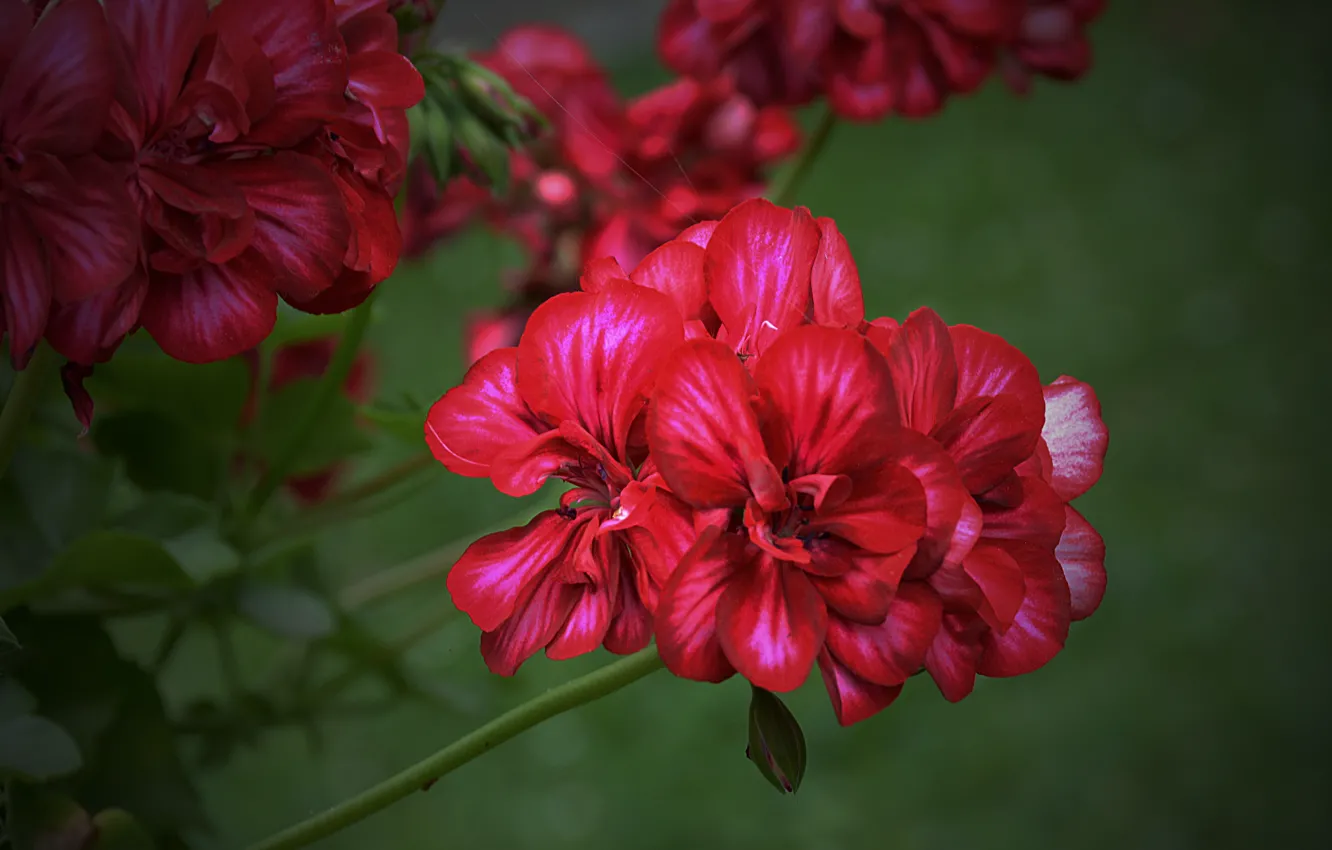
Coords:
566,403
1052,41
67,225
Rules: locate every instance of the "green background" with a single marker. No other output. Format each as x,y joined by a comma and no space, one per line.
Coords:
1157,230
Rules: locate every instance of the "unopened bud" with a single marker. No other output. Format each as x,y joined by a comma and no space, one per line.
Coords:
776,742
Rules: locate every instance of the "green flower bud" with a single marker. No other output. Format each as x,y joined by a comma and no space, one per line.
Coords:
776,742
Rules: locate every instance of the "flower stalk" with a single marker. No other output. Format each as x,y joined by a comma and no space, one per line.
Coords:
784,188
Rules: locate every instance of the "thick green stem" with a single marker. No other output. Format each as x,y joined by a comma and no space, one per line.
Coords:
329,387
20,403
570,695
784,188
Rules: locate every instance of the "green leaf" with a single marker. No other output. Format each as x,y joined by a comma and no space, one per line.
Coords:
24,550
15,699
209,396
108,559
7,640
405,425
285,610
34,749
161,453
42,819
118,830
65,490
294,326
187,529
335,439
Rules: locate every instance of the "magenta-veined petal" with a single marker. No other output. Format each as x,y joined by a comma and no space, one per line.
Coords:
835,281
1081,552
1075,435
858,586
988,437
586,626
853,699
699,234
924,370
987,365
758,263
476,421
535,622
889,652
631,622
88,331
1041,625
160,37
593,358
834,397
522,468
704,432
951,660
676,269
488,581
686,616
599,272
771,624
213,312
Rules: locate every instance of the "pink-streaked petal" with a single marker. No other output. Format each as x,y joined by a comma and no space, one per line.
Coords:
536,621
474,422
160,37
924,370
952,658
586,626
853,698
488,581
676,268
1081,552
593,357
1001,583
1041,625
987,365
56,92
758,265
835,281
631,628
862,590
522,468
213,312
952,519
25,283
1037,517
600,272
88,331
1075,435
888,653
699,234
835,398
988,437
704,432
771,623
885,512
686,616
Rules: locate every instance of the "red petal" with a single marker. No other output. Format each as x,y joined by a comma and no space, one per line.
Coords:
586,626
952,520
592,358
57,90
161,37
88,331
1081,552
676,268
1041,625
301,227
989,366
631,628
853,698
535,622
771,623
952,658
1075,435
522,468
890,652
15,24
924,370
699,234
834,394
862,590
758,265
1000,580
1037,518
213,312
704,432
25,283
686,616
489,579
835,282
988,438
72,376
474,422
600,272
383,80
885,512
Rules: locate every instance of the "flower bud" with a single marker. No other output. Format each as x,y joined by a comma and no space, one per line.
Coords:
776,743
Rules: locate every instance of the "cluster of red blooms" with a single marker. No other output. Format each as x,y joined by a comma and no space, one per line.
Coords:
873,58
180,165
610,178
764,480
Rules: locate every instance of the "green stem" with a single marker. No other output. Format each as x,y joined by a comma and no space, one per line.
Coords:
329,387
556,701
20,403
783,189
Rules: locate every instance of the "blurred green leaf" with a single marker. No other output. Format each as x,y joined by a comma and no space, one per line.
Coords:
405,425
103,559
161,453
208,396
118,830
294,326
188,530
42,819
34,749
285,610
15,699
64,489
24,550
336,438
7,640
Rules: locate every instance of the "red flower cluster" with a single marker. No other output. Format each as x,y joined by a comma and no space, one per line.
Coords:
874,57
610,178
765,480
180,167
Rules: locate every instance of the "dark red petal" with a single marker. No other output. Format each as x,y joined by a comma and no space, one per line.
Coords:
834,395
758,264
1038,516
57,90
535,622
988,438
924,370
1001,583
1081,552
863,588
25,283
72,376
686,616
952,519
599,272
835,282
704,432
474,422
213,312
989,366
15,24
771,623
683,41
489,579
160,37
890,652
631,628
885,512
952,658
383,80
853,698
593,357
1041,625
1075,435
676,268
88,331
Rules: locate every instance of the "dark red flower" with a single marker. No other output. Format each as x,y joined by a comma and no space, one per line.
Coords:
67,226
1052,42
565,404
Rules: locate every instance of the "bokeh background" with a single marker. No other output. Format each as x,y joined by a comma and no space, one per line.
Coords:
1159,230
